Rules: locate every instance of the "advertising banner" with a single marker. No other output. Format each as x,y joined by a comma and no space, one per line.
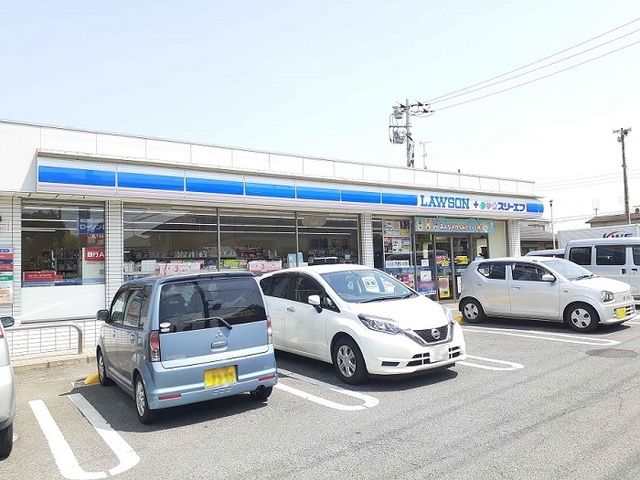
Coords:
461,225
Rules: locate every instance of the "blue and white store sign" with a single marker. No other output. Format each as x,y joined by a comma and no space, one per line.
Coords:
124,180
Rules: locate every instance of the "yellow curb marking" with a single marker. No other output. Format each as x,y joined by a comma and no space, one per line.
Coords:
91,379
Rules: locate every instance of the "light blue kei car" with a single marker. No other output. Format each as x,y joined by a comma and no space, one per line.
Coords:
174,340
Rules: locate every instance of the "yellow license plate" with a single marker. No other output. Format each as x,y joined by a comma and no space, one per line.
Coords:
621,312
219,376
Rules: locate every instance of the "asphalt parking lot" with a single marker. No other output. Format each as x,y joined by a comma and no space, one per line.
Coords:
533,401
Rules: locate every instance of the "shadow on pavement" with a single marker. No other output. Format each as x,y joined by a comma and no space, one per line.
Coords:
325,372
118,409
542,326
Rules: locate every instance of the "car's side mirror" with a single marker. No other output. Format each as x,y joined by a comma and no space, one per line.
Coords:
7,322
102,316
315,301
547,277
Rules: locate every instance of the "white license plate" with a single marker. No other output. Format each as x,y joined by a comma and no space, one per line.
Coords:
439,353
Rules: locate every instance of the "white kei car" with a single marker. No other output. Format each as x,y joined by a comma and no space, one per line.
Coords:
360,319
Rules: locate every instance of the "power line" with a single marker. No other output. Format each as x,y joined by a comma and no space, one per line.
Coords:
537,78
536,61
537,68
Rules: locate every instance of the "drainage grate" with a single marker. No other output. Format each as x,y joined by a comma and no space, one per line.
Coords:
612,353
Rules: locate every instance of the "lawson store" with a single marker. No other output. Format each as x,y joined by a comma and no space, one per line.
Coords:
83,211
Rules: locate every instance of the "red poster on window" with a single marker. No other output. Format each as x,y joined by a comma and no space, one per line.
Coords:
94,254
41,276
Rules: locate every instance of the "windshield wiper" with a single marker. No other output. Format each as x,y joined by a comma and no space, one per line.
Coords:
582,277
376,299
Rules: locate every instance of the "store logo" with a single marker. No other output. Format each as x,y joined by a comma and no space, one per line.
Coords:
441,201
616,234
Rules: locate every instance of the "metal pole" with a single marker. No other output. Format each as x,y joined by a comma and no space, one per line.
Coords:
624,173
553,230
408,128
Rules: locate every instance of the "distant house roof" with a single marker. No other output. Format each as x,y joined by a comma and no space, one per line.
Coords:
616,219
536,230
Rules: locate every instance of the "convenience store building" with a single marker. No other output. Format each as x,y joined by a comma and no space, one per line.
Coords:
83,211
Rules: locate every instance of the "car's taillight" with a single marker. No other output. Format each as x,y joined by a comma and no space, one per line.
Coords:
154,346
1,332
269,330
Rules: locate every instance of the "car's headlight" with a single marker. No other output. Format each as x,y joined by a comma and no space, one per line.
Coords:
380,324
606,296
449,314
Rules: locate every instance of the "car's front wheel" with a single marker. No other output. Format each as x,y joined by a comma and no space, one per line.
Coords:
145,414
349,362
582,317
6,441
102,370
471,310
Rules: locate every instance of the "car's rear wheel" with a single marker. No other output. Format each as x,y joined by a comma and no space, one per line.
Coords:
145,414
102,370
349,362
471,310
261,393
582,317
6,441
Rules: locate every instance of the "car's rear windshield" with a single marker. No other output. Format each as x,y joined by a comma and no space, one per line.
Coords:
197,304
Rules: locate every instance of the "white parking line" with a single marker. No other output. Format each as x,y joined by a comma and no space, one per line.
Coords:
368,400
507,365
550,336
630,322
66,461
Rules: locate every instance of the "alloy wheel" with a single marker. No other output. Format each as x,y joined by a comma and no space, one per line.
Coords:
346,361
140,398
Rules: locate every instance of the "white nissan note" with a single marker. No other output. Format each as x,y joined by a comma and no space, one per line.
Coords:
361,320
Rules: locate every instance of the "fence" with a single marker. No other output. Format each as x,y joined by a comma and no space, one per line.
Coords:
55,337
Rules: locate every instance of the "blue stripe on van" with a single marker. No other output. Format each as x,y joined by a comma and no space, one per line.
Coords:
399,199
207,185
535,208
150,181
358,196
76,176
270,190
316,193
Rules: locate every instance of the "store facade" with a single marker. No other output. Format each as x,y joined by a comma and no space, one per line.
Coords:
82,212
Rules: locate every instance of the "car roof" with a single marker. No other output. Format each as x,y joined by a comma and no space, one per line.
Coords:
162,279
606,241
330,268
529,258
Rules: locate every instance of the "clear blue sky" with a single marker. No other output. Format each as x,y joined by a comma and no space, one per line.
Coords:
320,79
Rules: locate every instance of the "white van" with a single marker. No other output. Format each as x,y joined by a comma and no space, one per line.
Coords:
616,258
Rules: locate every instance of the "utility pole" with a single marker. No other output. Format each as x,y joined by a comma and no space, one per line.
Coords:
424,153
623,132
399,133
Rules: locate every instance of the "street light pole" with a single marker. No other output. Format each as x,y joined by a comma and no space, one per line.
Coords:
623,132
407,113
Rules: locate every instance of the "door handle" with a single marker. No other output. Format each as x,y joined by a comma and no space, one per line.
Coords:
219,345
624,270
291,309
517,288
634,269
478,284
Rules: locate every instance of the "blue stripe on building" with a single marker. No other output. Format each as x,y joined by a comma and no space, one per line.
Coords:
76,176
316,193
270,190
358,196
399,199
535,208
207,185
150,182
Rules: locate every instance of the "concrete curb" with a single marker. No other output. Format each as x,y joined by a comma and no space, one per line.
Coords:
40,363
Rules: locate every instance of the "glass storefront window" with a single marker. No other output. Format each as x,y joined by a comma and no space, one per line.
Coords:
259,241
174,239
62,244
324,239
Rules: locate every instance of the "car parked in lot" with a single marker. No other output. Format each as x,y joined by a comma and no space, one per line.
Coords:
175,340
543,288
7,392
360,319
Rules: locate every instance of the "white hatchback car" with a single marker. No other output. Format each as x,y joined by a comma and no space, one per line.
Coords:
361,320
543,288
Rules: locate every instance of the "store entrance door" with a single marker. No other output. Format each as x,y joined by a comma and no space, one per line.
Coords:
443,259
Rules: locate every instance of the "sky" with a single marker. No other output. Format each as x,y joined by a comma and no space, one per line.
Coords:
320,79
